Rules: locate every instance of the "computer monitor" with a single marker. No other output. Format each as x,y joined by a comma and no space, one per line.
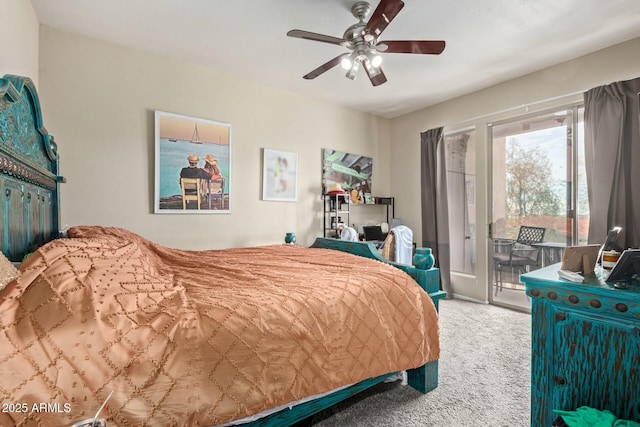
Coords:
373,232
627,267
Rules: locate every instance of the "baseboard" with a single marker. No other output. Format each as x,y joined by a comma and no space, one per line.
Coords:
466,298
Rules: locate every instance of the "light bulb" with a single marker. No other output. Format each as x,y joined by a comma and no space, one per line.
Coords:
351,74
374,58
346,63
371,70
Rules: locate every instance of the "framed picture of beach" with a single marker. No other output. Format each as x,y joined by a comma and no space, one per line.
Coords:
193,165
279,175
351,171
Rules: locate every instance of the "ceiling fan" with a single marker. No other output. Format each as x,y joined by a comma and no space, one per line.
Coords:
362,40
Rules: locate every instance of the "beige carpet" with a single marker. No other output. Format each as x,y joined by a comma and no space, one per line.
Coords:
484,377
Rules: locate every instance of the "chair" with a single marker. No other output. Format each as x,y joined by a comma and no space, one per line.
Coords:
190,191
517,254
398,245
215,190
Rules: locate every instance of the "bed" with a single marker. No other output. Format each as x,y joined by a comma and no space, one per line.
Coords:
253,336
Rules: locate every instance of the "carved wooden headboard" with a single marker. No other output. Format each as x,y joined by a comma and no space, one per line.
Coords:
29,179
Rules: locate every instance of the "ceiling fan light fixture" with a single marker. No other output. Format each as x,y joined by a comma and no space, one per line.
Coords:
362,39
376,60
371,70
346,62
351,74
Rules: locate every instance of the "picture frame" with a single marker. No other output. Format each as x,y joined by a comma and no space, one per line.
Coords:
279,175
580,259
351,171
192,165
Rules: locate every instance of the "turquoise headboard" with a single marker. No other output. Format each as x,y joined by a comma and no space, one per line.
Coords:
29,178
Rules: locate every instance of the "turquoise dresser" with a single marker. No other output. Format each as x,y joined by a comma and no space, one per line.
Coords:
585,346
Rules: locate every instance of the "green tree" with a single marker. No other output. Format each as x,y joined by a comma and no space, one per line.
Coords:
529,182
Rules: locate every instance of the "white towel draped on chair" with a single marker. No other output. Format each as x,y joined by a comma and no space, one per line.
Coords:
403,237
350,234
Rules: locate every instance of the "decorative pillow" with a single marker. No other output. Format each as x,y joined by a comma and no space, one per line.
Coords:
8,272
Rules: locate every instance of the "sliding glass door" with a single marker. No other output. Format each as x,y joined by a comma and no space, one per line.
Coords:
537,182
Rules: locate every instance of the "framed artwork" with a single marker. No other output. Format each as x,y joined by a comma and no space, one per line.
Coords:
580,258
279,175
351,171
193,165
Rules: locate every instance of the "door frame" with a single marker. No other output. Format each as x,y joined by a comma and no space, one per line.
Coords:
571,193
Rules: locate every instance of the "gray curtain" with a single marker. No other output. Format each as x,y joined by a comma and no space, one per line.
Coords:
612,156
435,219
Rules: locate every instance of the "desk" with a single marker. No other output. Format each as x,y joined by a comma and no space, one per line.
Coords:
551,252
585,345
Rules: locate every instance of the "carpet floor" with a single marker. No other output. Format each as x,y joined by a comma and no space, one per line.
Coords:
484,377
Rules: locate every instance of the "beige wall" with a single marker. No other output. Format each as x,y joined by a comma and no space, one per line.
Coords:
98,101
19,35
511,98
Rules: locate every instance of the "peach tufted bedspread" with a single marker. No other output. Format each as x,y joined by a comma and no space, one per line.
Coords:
192,338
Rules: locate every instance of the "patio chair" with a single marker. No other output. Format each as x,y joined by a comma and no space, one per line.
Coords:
519,254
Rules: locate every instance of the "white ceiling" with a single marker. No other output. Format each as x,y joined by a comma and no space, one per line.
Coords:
488,41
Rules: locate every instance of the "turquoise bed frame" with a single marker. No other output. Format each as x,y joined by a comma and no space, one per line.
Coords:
29,217
29,179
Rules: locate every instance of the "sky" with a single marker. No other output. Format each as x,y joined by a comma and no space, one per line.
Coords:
182,127
553,143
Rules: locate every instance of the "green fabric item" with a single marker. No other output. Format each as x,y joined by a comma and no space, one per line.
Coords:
585,416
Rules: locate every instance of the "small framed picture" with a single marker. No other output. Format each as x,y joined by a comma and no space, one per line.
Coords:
580,258
279,175
368,199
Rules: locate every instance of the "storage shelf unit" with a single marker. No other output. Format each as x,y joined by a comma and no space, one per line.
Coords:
337,210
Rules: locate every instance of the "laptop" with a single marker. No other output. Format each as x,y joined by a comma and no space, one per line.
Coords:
373,234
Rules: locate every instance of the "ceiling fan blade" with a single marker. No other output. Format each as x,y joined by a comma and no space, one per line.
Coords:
376,75
382,16
432,47
301,34
325,67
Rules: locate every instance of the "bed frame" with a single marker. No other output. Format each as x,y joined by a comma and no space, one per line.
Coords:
29,164
30,218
